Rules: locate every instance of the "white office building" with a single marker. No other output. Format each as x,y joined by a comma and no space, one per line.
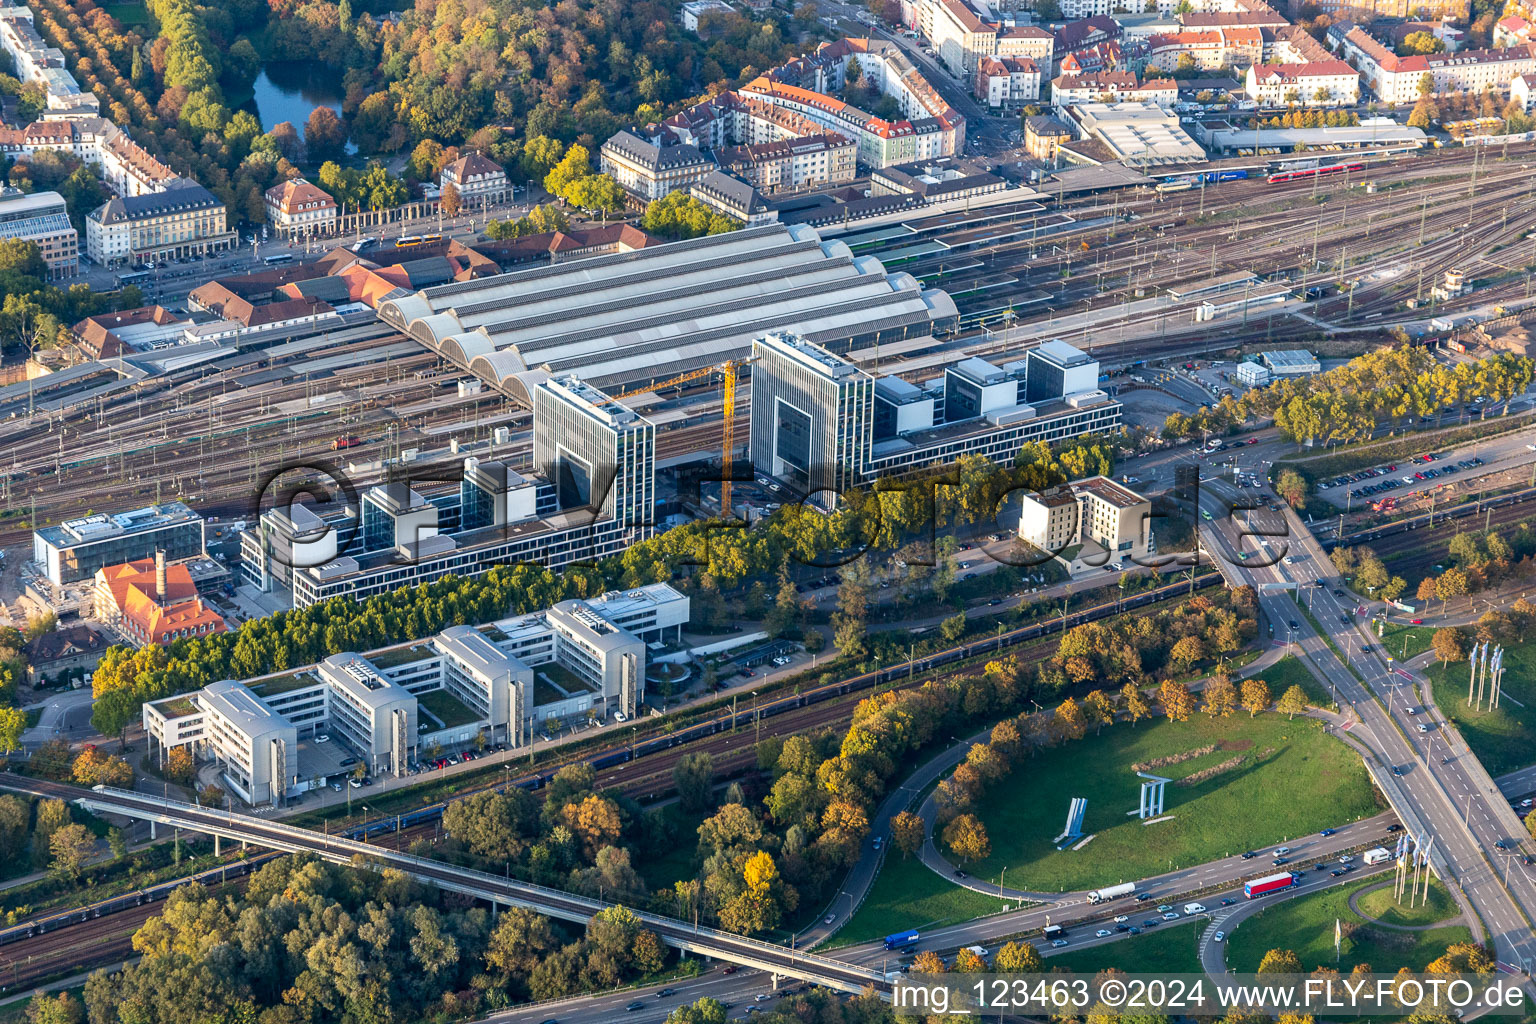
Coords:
277,736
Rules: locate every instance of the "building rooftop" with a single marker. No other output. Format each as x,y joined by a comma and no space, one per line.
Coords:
187,197
466,644
664,309
1105,489
1279,359
100,527
241,707
1061,353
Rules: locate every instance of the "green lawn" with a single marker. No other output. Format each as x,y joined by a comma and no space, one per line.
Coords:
908,895
1295,780
1305,925
1384,906
447,708
1158,951
1289,671
1403,641
1503,739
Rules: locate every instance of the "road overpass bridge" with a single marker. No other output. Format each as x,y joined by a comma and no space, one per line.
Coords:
496,890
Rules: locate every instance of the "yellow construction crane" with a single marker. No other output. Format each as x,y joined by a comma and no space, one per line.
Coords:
727,371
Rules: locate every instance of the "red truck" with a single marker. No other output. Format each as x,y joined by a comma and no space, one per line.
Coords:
1270,883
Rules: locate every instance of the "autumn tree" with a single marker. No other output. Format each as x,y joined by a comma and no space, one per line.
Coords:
1099,709
1220,697
1018,958
1291,486
1135,702
1069,722
1293,702
449,202
967,839
1178,703
97,768
178,765
908,833
70,846
1280,961
1256,696
1448,645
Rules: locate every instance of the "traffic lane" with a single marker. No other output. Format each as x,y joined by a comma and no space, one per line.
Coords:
1074,908
1478,832
1212,953
738,989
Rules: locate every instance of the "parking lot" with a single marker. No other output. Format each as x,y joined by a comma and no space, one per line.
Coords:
1394,475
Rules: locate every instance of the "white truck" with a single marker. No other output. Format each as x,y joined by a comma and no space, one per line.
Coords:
980,951
1377,855
1111,892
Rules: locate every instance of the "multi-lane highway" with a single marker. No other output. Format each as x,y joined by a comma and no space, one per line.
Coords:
1431,771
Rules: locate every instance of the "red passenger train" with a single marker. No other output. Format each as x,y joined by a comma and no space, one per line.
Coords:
1313,172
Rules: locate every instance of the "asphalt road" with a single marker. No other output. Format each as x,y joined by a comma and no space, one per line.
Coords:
1439,778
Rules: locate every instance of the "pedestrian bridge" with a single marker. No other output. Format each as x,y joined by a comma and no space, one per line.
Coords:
496,890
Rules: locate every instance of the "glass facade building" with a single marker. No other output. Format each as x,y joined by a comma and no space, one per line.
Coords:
812,414
597,453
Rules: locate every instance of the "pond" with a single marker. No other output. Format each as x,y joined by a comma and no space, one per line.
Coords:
290,90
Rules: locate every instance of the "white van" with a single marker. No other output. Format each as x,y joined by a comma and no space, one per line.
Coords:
1194,908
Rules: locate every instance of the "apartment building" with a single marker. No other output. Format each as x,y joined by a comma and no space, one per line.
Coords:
809,161
959,36
1209,49
1097,511
126,167
1324,84
37,62
1007,83
42,218
1112,87
1397,79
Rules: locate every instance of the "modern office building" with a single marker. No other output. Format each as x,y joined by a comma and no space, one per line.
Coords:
279,735
1056,369
41,217
76,549
594,496
598,453
810,417
375,714
394,515
820,423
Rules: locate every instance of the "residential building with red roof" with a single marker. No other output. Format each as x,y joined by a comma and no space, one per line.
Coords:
1397,79
1331,83
295,207
1007,83
1512,31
